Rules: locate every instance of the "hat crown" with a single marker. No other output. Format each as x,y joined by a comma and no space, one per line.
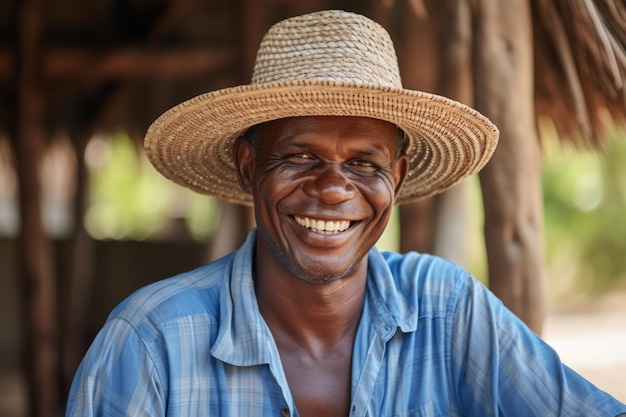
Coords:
331,45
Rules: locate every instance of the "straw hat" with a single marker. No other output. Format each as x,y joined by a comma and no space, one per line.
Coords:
325,63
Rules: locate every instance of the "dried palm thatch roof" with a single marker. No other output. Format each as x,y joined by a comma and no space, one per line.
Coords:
580,66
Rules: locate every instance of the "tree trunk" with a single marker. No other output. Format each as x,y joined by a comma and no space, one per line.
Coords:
35,255
511,182
235,222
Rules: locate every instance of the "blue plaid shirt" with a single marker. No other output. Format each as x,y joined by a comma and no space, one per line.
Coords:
432,342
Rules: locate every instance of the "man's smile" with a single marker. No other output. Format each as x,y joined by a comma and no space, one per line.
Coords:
323,226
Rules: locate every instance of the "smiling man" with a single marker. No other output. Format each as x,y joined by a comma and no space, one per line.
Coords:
308,318
323,189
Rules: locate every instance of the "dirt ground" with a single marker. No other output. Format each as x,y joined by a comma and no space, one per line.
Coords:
590,337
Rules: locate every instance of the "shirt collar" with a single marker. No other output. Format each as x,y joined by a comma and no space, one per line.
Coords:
392,296
244,338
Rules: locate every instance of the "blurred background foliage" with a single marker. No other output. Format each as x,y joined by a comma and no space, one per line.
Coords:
585,216
130,200
584,206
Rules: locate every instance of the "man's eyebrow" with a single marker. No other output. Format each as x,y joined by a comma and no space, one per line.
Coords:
299,144
371,151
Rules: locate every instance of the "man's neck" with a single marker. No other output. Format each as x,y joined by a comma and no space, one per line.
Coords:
315,317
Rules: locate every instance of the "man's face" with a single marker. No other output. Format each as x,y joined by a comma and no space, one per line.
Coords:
323,188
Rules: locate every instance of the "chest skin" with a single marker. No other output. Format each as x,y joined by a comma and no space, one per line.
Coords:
320,385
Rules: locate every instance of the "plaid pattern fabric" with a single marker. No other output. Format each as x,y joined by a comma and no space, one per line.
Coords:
432,342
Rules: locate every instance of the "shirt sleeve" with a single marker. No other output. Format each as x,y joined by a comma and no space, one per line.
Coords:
117,377
500,367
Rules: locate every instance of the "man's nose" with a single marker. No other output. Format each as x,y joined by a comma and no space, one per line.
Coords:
330,185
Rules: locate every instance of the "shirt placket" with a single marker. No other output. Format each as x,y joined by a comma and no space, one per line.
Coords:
380,329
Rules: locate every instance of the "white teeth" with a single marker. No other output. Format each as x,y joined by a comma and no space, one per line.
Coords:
323,226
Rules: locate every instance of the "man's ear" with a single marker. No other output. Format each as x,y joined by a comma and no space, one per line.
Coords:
401,171
245,155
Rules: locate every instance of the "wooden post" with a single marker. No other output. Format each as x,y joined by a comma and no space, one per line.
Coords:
435,56
511,182
415,38
35,259
80,273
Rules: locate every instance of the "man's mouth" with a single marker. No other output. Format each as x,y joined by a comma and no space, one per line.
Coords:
323,226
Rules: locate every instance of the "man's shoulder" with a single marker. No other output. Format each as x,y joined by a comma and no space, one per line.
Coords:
422,268
193,292
427,282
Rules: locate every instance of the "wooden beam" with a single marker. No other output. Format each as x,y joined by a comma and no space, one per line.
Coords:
87,66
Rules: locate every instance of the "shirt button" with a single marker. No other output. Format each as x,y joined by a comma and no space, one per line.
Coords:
284,412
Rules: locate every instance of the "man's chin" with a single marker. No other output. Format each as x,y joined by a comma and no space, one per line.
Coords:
320,276
320,280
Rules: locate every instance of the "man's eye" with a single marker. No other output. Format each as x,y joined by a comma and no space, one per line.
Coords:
299,158
363,166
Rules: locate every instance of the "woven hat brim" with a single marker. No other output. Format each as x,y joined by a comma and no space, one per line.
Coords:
192,143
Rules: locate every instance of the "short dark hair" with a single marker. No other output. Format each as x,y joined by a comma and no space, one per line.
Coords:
402,143
253,136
